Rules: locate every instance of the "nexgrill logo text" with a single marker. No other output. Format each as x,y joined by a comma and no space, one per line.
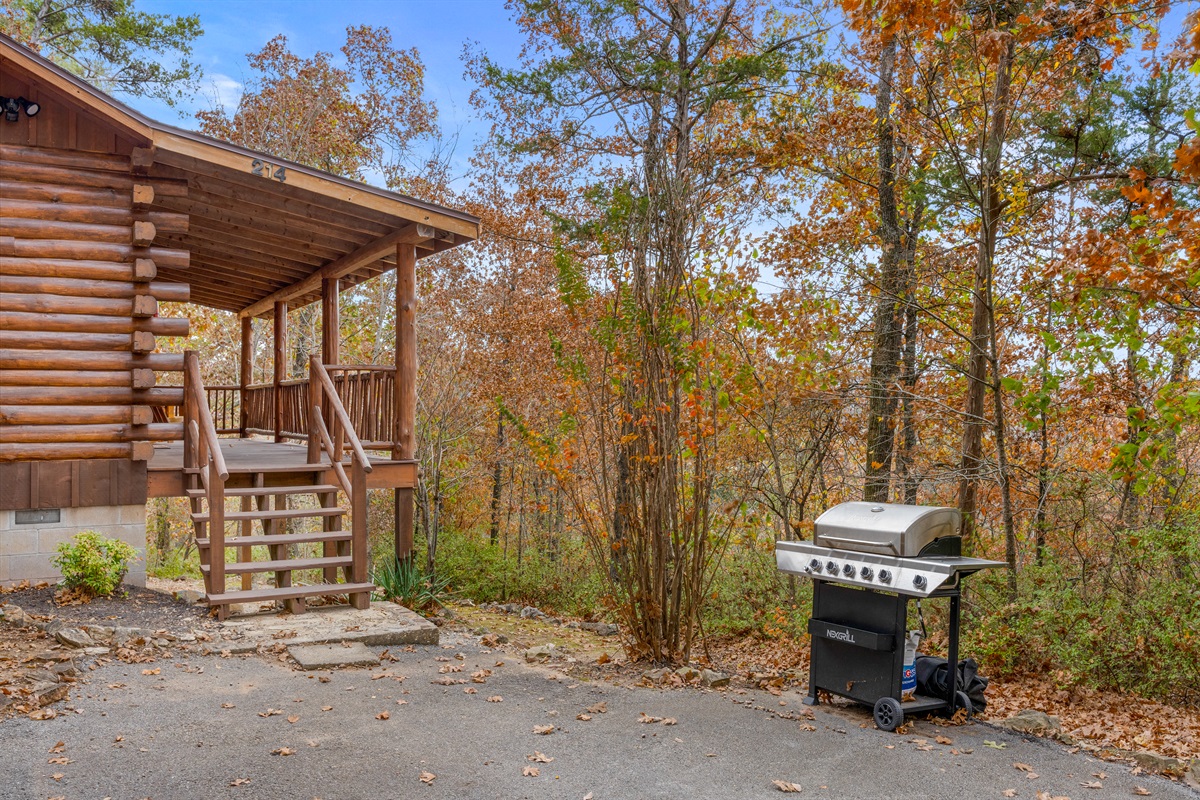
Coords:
845,636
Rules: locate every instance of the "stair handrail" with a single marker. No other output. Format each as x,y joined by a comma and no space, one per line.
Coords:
204,420
317,369
323,432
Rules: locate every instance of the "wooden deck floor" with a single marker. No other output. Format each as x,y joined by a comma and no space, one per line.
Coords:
165,468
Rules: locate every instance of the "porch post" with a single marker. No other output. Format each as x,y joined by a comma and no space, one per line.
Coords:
280,366
330,333
404,442
245,368
330,321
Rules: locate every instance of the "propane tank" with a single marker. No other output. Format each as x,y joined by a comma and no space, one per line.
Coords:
908,681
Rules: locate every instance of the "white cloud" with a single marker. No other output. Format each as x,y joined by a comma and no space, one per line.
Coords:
221,91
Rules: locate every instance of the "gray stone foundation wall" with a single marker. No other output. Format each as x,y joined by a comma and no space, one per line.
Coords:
26,548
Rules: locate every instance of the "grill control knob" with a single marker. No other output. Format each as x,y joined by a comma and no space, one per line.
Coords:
848,570
814,566
919,581
885,576
866,573
831,568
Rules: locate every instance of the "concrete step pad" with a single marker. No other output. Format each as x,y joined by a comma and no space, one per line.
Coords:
332,656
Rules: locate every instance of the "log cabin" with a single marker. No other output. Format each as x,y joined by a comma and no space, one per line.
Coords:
105,214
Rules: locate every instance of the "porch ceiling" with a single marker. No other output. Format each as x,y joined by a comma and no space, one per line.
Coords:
251,237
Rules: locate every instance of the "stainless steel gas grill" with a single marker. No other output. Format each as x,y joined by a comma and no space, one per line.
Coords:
895,553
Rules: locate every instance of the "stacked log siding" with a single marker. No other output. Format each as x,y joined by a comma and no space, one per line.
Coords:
79,304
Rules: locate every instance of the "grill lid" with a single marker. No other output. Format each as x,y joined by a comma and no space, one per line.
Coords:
885,528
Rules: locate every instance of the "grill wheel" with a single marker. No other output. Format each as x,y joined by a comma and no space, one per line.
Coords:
888,714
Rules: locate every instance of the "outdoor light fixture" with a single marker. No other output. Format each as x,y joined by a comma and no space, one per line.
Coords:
14,105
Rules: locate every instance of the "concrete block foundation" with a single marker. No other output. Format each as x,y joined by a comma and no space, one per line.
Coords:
26,547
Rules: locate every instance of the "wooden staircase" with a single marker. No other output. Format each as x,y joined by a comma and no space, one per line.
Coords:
287,502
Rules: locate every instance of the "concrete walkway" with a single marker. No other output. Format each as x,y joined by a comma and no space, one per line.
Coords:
206,726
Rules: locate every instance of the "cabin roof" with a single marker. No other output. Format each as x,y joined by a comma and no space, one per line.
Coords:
261,228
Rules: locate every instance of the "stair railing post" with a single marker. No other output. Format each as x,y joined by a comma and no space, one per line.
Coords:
216,536
358,531
316,399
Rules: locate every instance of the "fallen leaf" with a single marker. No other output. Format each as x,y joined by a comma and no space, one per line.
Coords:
531,772
270,712
58,748
543,730
646,718
540,758
1092,785
239,781
1141,791
327,708
1100,775
283,751
154,671
58,776
43,713
1022,767
943,740
58,760
470,690
119,739
670,721
598,708
383,715
1009,793
785,786
495,699
603,658
995,745
228,705
583,717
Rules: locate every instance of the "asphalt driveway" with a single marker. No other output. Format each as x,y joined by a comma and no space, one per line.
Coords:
249,727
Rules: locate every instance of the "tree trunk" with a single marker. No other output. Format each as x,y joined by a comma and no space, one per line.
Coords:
981,311
885,351
494,527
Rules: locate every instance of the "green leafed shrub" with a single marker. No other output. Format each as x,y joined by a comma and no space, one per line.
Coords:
1126,619
93,563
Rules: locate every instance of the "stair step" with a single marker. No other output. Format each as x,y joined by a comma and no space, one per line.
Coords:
285,592
279,468
282,565
281,538
283,513
259,491
273,468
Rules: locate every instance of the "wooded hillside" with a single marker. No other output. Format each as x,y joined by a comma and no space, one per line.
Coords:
742,264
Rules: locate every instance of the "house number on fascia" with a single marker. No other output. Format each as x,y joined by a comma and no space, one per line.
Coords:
263,169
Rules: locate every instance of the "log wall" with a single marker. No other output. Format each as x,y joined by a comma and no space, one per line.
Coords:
79,321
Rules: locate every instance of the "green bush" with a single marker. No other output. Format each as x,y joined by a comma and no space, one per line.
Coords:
1126,618
93,563
564,581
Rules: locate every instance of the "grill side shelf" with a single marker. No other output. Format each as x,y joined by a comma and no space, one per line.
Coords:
857,637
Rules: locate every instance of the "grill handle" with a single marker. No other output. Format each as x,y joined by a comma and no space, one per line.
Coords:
846,540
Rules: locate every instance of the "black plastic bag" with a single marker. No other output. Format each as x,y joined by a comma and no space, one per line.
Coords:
933,680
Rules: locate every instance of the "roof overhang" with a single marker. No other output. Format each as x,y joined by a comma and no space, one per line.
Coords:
261,228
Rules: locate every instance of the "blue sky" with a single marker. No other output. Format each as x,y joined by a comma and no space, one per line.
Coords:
233,28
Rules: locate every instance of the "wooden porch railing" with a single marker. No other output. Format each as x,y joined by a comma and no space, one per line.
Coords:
204,463
366,392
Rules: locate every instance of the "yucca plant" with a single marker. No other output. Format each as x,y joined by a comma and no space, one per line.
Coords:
404,582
